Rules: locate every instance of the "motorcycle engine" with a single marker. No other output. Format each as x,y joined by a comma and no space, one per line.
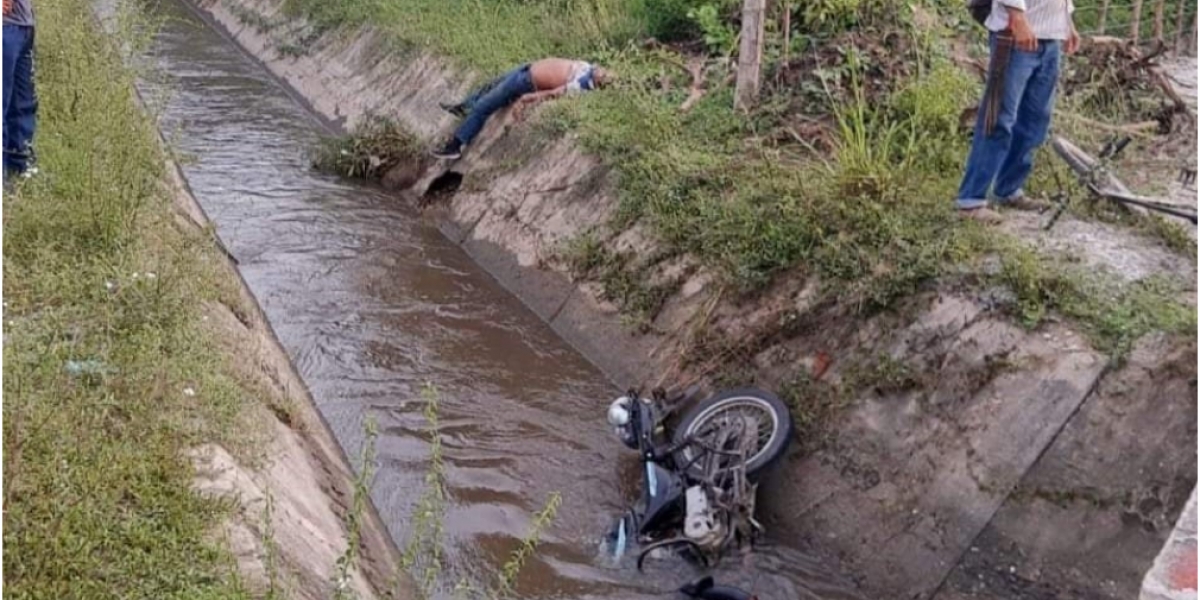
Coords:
700,523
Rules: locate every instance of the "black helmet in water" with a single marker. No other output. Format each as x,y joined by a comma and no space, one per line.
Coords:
705,589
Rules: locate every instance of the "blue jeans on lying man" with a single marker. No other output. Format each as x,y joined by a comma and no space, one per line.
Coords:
1001,160
486,101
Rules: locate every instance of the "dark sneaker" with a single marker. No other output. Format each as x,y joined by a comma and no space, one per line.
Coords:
457,110
451,151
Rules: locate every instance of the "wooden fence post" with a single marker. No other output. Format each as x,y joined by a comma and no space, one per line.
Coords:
749,69
1135,21
1103,21
1160,8
1191,45
1177,43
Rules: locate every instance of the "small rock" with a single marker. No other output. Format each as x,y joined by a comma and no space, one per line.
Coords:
188,391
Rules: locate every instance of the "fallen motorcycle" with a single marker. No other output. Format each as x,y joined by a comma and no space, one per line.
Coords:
699,478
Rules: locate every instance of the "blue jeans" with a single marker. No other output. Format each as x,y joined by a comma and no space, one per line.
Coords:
492,97
1003,160
20,100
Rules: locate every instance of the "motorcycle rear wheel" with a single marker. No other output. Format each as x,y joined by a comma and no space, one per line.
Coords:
775,428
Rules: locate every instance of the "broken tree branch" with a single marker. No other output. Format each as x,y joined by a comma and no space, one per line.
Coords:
1141,129
1160,9
696,71
697,91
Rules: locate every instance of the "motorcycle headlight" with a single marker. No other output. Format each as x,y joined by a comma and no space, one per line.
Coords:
618,412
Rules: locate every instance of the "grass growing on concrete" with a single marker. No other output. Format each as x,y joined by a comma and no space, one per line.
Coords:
377,145
1113,314
109,377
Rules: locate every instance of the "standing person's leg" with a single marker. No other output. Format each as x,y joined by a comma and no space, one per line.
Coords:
1009,71
1032,127
515,84
24,104
12,49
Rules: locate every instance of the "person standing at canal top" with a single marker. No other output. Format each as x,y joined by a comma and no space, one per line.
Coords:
20,100
1027,40
524,86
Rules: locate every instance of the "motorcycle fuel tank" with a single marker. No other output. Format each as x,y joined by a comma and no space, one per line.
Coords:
661,493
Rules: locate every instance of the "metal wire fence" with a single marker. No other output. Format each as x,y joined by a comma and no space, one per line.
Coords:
1173,21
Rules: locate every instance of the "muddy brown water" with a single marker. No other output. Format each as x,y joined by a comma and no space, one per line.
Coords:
371,301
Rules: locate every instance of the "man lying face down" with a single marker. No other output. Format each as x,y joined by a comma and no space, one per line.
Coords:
524,86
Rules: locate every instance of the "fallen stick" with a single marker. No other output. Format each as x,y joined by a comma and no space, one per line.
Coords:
697,91
1141,128
695,71
1164,83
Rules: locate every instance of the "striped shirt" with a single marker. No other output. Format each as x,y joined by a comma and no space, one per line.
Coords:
1049,19
18,12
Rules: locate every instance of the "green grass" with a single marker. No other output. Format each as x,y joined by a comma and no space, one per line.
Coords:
96,484
490,36
628,285
1111,313
874,221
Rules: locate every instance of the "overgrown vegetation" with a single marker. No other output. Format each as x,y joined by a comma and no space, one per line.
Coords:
109,378
1114,315
377,145
422,557
874,219
631,287
358,510
844,171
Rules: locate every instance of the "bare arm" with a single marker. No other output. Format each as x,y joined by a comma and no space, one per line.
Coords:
542,95
524,102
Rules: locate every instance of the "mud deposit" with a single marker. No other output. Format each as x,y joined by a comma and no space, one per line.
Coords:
371,301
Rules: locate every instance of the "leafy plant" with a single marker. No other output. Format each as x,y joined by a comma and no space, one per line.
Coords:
718,35
375,146
828,16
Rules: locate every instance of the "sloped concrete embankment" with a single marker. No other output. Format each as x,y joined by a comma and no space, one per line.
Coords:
1017,460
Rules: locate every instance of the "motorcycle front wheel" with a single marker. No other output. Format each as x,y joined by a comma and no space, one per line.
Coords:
770,417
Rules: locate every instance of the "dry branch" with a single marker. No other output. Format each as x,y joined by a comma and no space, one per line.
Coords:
697,91
696,71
